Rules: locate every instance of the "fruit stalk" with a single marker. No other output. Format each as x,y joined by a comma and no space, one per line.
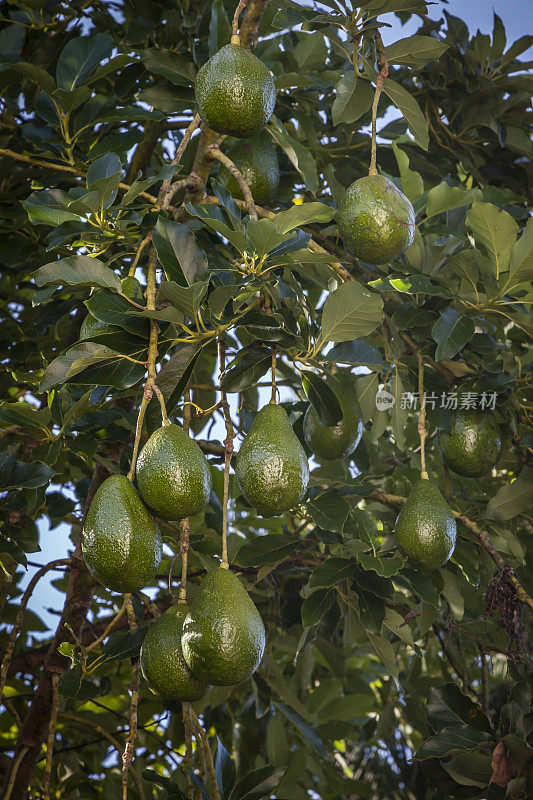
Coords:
127,756
383,72
274,388
422,432
228,450
235,39
184,524
217,155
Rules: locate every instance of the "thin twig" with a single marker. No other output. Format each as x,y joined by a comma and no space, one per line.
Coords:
108,630
235,23
215,153
215,794
17,627
147,240
187,724
51,737
127,756
228,450
14,771
382,74
422,432
168,189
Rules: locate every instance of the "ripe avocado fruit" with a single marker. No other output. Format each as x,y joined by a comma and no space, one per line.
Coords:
473,445
376,220
173,476
271,468
121,543
331,442
257,159
162,662
235,92
91,327
223,635
425,529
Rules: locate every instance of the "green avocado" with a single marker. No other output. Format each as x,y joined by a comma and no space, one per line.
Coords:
474,444
376,220
223,635
235,92
425,529
331,442
91,327
257,159
271,468
162,661
173,476
121,543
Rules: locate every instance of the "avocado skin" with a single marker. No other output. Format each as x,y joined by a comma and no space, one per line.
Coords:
271,468
121,543
474,445
331,442
425,528
173,476
162,662
257,160
235,92
376,220
223,635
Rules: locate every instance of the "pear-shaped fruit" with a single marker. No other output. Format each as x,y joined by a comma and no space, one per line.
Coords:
331,442
376,220
121,543
257,159
223,635
271,468
173,475
235,92
474,444
162,662
425,529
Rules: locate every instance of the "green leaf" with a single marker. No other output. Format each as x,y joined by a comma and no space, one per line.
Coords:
219,27
249,368
224,770
36,74
451,332
123,645
349,312
316,605
385,567
329,512
25,475
78,270
175,396
269,549
311,51
305,214
264,236
444,197
187,298
172,789
176,67
322,397
496,230
348,707
80,57
411,284
385,651
330,572
451,740
180,256
410,109
49,207
513,499
74,685
412,183
453,593
354,98
257,784
521,263
305,729
415,51
298,155
25,415
355,353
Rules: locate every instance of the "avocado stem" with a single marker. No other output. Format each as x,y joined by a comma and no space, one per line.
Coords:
228,451
422,432
235,39
382,74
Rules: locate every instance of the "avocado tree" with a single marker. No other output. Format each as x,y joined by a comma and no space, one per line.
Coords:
246,324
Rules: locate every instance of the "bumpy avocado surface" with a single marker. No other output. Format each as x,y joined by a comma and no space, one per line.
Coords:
257,159
121,543
162,662
336,441
474,444
425,529
223,635
235,92
376,220
271,468
173,475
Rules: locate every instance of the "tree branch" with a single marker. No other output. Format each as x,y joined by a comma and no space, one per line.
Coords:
216,154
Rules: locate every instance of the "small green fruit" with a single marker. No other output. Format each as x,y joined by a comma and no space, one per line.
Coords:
132,288
121,543
162,662
271,468
425,529
474,444
331,442
235,92
223,635
257,160
173,475
376,220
